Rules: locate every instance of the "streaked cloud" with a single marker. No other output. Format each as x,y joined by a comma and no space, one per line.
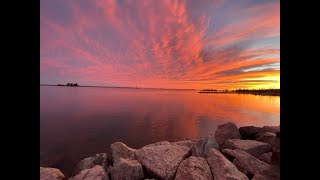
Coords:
169,43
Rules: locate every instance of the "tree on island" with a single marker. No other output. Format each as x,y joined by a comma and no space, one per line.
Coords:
72,84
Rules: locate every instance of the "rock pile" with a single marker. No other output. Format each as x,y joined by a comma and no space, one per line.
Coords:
241,154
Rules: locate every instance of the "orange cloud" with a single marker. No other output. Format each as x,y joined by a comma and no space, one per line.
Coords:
169,44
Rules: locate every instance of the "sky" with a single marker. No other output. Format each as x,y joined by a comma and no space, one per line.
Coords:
219,44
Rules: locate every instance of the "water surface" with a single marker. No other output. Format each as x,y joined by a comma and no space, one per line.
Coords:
77,122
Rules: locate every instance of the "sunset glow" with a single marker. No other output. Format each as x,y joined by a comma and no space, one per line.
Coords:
220,44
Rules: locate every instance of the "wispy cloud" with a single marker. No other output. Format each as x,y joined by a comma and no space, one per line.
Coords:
169,43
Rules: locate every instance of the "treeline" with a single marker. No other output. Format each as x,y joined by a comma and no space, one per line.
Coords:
69,84
270,92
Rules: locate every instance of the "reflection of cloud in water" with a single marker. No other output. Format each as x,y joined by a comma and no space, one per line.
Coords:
258,115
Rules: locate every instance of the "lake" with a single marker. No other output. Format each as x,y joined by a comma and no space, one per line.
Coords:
78,122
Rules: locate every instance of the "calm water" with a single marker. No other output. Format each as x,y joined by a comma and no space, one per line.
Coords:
77,122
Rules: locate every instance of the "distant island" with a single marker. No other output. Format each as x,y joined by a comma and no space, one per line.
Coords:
69,84
266,92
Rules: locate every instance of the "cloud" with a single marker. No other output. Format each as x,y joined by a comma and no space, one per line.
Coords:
169,43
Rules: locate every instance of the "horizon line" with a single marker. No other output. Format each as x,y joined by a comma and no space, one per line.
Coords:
119,87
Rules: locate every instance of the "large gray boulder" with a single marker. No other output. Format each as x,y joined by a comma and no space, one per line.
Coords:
120,150
267,137
194,168
47,173
94,173
255,148
126,169
200,147
87,163
250,132
226,131
222,168
161,160
246,163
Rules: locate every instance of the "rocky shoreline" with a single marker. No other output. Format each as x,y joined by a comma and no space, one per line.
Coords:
231,153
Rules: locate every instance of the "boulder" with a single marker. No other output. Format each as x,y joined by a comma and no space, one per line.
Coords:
94,173
273,129
161,161
126,169
226,131
201,146
250,132
222,168
259,177
266,157
275,158
246,163
267,137
240,168
158,143
120,150
197,147
47,173
87,163
194,168
210,142
255,148
271,173
186,143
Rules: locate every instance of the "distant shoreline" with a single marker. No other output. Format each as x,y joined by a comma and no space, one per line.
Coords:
118,87
262,92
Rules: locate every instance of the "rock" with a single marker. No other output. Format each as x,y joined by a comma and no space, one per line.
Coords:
94,173
266,157
197,147
186,143
47,173
194,168
120,150
210,142
161,161
239,167
250,132
258,177
246,163
275,158
255,148
226,131
126,169
87,163
200,147
267,137
271,173
278,134
158,143
273,129
222,168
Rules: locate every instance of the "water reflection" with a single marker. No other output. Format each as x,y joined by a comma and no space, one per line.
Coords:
79,122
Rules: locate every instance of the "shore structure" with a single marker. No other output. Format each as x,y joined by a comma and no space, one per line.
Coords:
243,153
